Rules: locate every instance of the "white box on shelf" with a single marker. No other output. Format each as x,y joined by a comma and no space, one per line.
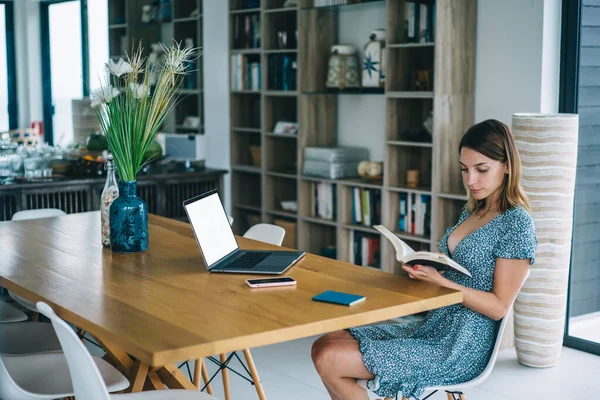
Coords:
182,147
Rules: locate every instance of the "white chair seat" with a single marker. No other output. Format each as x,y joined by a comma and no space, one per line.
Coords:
164,395
10,313
23,301
37,214
28,338
46,376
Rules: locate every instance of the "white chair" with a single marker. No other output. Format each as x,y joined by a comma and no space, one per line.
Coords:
267,233
33,214
457,389
87,377
37,214
23,302
10,313
22,338
230,218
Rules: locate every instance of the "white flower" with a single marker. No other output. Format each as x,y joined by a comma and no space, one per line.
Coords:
176,58
138,90
104,95
120,68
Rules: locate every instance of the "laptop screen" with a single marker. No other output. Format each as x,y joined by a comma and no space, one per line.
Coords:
211,227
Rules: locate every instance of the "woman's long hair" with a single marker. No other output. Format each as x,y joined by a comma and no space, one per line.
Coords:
494,140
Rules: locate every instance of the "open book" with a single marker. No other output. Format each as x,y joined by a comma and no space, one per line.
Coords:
405,254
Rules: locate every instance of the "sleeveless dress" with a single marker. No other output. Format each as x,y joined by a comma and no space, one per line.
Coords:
452,344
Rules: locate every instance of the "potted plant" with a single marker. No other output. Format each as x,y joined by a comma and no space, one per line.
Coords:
131,112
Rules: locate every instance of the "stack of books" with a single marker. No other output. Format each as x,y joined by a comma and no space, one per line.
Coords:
323,200
333,162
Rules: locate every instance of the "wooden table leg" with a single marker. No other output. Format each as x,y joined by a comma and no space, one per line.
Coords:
159,377
137,377
254,374
153,382
225,376
200,369
173,378
118,358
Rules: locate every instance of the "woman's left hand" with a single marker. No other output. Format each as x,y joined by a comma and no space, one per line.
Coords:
423,273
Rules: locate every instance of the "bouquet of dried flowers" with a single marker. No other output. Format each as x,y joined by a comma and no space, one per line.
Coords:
131,111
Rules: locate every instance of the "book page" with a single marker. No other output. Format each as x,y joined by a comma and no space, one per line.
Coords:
402,249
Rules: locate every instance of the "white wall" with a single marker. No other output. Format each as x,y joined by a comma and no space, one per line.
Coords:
518,57
361,119
216,87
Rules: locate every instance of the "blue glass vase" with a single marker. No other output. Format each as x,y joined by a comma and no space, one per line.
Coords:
128,220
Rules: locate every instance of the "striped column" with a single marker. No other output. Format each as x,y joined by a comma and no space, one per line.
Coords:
548,148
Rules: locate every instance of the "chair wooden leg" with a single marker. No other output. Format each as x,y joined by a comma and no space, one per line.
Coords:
81,333
254,373
462,397
35,317
450,396
200,369
225,376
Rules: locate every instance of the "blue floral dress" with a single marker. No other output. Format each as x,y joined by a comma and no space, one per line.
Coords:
452,344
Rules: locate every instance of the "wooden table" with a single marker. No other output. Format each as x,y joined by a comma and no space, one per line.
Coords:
153,309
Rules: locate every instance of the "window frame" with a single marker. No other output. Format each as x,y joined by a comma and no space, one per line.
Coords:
568,103
48,107
11,65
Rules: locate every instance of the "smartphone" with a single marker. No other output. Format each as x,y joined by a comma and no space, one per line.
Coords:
270,282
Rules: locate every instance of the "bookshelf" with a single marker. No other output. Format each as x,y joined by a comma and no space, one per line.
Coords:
127,28
259,188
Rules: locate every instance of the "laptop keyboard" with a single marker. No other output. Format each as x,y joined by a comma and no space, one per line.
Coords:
246,260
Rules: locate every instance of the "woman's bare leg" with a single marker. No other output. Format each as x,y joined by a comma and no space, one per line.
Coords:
330,337
339,363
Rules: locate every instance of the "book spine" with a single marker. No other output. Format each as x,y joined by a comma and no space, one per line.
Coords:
357,206
423,23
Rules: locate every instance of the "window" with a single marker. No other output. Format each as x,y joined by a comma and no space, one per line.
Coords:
580,93
8,90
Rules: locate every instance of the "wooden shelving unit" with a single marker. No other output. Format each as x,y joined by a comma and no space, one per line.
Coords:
126,31
278,177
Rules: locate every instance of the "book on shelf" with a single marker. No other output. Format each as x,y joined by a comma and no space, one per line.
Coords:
415,214
366,206
246,31
419,22
323,201
245,74
405,254
365,249
282,72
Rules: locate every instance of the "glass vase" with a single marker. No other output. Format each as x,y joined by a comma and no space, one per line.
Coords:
128,220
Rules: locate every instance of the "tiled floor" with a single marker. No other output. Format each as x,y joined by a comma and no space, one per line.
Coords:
287,374
586,327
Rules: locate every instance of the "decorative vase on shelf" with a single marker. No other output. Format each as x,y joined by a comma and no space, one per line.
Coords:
128,220
343,69
109,194
373,74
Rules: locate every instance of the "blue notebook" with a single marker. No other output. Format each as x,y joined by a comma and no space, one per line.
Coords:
345,299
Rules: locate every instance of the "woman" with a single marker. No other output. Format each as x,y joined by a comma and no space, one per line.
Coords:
495,240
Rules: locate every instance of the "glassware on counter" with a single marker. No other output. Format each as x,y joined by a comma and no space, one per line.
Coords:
109,194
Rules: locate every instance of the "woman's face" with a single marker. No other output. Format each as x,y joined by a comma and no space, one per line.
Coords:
481,175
